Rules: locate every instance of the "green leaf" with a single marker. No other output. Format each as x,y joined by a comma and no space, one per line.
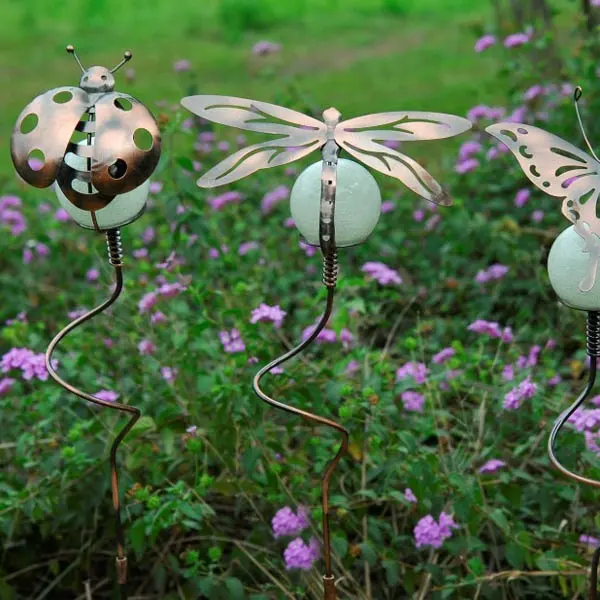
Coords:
144,425
235,588
391,572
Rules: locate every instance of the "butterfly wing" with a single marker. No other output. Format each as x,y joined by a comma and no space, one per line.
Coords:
362,137
57,112
126,146
298,135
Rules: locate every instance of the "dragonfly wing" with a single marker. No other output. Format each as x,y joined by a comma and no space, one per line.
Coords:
253,158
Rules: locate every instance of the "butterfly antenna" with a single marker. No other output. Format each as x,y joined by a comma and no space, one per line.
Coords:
71,50
126,58
576,97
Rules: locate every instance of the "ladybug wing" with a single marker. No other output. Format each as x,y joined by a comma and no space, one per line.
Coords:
46,124
126,146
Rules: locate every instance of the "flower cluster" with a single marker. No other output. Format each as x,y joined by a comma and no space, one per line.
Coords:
524,391
271,199
11,216
494,330
165,290
222,200
272,314
298,554
429,532
492,273
31,364
492,465
232,341
381,273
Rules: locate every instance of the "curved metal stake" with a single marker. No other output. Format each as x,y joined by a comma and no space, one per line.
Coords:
115,257
593,350
327,242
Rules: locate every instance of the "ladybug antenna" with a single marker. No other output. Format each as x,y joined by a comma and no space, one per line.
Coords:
71,50
126,58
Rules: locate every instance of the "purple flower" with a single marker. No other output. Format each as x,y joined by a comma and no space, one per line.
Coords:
508,373
274,197
107,395
522,197
517,116
493,153
158,317
13,219
62,215
299,555
10,202
418,215
78,312
247,247
418,371
155,187
346,337
387,206
213,254
265,47
326,336
409,495
287,523
516,39
272,314
491,329
148,235
192,430
181,65
554,380
92,275
492,273
588,539
492,465
218,202
147,302
467,150
443,355
413,401
146,347
289,223
584,419
232,341
484,42
466,166
481,111
352,367
140,253
537,216
428,532
170,290
32,365
308,249
5,384
533,92
381,273
168,374
525,390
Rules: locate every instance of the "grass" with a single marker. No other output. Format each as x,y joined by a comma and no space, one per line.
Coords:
358,55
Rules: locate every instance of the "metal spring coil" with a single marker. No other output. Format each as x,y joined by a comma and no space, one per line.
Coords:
593,334
115,248
330,269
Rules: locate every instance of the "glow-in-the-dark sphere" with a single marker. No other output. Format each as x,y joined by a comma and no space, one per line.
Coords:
357,203
123,209
569,265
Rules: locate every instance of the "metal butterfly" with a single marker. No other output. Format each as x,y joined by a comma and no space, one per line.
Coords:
563,171
299,135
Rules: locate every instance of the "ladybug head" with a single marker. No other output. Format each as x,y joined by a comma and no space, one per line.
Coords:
98,79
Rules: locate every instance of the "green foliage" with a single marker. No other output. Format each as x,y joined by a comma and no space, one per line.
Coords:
208,465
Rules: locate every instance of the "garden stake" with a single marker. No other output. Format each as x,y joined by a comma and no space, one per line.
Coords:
562,170
98,147
334,202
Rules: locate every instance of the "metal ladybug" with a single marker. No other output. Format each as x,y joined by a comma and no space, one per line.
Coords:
93,142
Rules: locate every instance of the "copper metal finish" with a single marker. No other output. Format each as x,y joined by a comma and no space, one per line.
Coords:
115,257
593,351
300,135
115,124
561,170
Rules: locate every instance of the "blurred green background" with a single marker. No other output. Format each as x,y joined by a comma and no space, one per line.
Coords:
359,55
